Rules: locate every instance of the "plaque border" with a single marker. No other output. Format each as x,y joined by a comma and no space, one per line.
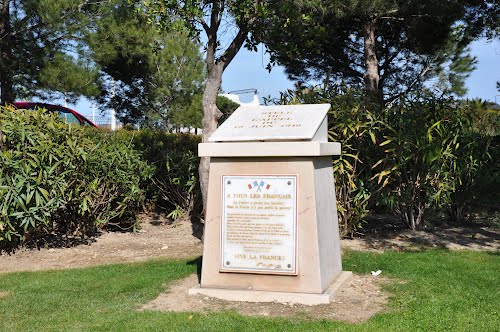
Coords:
296,261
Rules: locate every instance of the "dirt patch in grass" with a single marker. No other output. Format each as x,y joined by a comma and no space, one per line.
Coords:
4,295
356,302
156,239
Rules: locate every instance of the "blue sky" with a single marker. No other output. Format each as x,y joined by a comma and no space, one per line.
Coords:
248,71
482,82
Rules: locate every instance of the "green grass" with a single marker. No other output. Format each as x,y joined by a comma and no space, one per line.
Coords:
454,291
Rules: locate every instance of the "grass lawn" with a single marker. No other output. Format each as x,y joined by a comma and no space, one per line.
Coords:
443,290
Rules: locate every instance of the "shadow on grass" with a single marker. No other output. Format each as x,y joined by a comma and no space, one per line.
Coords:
493,253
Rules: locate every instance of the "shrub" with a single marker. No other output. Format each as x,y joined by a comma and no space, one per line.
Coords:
432,158
477,168
478,178
57,180
175,186
421,154
474,158
355,128
33,168
112,180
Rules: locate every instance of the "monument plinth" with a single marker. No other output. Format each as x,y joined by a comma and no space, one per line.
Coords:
271,228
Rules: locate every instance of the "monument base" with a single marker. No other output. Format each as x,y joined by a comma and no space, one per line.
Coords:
246,295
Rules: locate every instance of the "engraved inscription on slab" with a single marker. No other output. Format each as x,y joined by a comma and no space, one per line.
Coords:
260,123
259,224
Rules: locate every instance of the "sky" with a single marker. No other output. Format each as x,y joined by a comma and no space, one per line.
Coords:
482,82
247,71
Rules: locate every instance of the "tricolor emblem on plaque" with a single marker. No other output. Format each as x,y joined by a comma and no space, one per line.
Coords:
258,185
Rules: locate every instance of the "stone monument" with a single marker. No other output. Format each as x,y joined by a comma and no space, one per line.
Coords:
271,228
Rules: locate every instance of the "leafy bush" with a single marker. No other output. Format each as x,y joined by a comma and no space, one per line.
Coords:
432,158
175,187
420,139
57,179
481,193
485,120
476,157
478,169
355,128
114,176
421,154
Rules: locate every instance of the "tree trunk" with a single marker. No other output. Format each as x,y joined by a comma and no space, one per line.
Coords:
215,68
6,81
456,211
371,77
412,217
211,114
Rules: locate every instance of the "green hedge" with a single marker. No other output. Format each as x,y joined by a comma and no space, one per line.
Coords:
59,179
356,128
174,188
415,157
64,179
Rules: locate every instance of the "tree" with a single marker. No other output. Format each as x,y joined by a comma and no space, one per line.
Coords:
483,20
451,65
212,17
6,79
389,47
41,53
226,106
150,76
192,114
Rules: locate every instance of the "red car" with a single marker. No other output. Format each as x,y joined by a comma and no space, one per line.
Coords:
68,114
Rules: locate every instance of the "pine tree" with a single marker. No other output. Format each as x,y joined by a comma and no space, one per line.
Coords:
149,76
388,47
41,53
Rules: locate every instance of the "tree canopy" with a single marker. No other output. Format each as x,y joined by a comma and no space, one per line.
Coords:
388,46
104,50
41,53
150,75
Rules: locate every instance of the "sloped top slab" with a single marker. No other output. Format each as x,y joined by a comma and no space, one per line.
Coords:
273,123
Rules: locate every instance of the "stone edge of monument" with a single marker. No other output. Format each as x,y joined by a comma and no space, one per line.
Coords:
269,149
225,133
244,295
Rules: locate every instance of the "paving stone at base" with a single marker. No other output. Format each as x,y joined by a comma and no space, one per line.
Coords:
248,295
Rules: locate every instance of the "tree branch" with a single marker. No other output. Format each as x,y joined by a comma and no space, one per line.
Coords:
214,16
204,24
232,49
410,86
386,64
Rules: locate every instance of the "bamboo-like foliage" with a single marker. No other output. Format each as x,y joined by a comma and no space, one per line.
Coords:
431,158
422,154
355,128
